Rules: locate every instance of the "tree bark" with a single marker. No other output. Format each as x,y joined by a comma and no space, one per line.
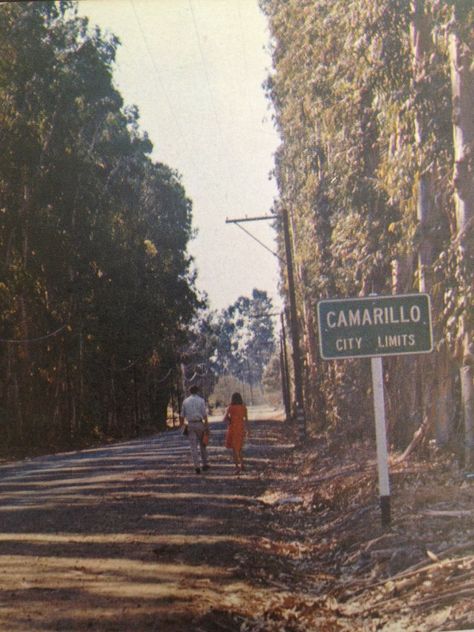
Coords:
462,85
428,218
421,49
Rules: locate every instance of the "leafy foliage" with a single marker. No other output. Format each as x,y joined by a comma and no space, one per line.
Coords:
361,126
93,238
246,337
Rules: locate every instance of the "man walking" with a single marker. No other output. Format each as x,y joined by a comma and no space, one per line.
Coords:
194,411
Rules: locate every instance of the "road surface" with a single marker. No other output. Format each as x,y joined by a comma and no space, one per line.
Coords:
128,537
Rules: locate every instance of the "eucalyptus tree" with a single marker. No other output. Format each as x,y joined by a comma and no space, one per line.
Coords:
363,104
461,53
246,337
271,379
327,165
199,362
93,238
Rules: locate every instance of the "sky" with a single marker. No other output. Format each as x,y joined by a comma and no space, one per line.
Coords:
195,69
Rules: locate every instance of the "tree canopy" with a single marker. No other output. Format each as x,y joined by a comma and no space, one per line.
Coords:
246,337
96,285
364,97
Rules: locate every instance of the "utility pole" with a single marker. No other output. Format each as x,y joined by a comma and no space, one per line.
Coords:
295,341
285,378
249,377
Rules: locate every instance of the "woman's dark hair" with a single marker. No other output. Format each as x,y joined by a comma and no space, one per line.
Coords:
236,399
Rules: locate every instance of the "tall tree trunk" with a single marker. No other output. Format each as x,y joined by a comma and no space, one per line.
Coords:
310,351
404,377
462,83
422,48
428,218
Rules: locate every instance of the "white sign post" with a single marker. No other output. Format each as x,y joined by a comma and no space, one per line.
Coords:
381,439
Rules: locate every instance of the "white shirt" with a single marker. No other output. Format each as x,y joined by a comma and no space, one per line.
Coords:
194,408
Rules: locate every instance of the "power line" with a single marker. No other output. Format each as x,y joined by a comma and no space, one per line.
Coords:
211,94
255,219
157,77
27,340
275,254
161,85
206,74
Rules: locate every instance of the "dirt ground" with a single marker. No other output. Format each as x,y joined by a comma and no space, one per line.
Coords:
128,537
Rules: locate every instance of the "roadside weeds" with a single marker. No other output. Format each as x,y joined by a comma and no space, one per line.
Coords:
334,564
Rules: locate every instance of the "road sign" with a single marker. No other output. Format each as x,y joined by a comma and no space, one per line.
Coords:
370,328
374,326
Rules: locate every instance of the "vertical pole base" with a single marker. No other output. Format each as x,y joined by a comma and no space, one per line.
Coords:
301,422
385,507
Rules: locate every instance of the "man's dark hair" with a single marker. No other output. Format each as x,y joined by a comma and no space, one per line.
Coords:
194,389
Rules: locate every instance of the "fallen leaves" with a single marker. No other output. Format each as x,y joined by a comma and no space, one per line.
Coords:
336,568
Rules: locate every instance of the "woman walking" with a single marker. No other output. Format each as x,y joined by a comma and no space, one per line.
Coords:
236,416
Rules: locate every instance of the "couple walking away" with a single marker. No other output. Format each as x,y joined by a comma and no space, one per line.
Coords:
194,411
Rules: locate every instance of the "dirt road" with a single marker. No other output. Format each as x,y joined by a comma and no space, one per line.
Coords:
128,537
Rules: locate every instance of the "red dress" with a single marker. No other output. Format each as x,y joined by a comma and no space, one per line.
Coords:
234,438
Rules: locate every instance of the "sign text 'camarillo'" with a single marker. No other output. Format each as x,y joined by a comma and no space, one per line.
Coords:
374,326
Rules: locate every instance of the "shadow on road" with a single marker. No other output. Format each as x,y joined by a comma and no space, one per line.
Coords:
129,537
